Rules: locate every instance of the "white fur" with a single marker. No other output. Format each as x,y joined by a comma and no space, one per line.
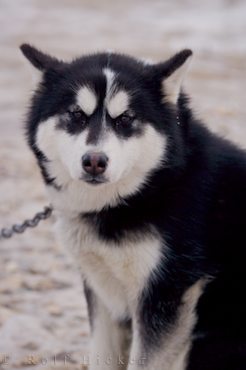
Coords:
115,103
87,100
118,104
109,342
130,163
172,84
110,77
116,273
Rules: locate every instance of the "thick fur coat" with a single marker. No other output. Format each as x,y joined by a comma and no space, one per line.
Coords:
151,204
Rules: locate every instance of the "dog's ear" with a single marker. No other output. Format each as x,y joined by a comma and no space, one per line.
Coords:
172,72
38,59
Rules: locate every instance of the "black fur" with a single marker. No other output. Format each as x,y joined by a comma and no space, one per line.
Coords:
197,202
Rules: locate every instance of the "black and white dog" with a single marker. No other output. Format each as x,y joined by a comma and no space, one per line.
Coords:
153,207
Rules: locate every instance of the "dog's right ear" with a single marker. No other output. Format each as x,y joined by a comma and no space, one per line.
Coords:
38,59
171,74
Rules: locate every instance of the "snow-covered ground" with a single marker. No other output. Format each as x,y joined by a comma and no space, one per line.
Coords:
42,309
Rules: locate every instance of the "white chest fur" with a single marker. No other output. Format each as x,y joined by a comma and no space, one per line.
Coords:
116,272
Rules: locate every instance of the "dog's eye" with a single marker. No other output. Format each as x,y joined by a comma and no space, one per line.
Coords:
124,120
78,116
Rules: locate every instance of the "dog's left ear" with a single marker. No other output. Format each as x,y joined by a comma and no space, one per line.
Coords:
172,72
38,59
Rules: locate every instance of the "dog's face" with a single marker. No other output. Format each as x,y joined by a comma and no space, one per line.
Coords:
103,120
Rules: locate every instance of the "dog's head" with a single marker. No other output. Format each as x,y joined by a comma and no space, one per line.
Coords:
103,120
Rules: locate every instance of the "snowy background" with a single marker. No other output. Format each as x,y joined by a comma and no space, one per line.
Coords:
43,318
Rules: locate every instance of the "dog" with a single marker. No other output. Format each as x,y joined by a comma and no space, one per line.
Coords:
152,206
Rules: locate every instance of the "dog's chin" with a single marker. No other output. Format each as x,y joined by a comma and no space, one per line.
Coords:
94,180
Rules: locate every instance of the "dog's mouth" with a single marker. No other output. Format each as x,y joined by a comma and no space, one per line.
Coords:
94,180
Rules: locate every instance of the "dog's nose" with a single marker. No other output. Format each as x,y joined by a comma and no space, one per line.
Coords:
94,163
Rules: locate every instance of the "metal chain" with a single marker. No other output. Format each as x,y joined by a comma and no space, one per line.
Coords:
7,233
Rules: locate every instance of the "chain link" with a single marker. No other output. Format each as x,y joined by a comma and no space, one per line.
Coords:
7,233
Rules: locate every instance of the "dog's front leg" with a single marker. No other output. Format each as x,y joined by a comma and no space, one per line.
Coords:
162,357
109,338
162,330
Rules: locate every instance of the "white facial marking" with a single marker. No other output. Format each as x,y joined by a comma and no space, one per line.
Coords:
118,104
130,163
45,138
63,151
110,76
87,100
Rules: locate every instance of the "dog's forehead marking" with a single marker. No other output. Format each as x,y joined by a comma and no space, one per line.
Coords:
87,100
110,79
118,104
